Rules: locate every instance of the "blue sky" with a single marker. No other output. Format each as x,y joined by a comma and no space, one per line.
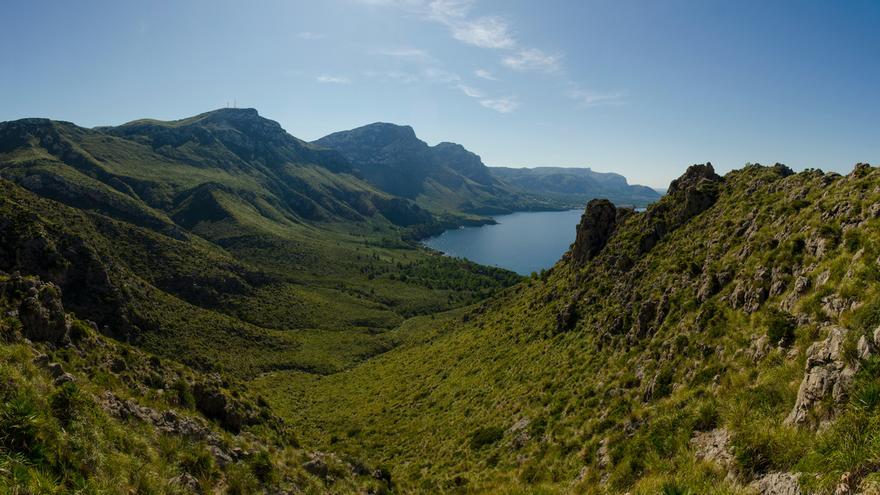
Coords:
643,88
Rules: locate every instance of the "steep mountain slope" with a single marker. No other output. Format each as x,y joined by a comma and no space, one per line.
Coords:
220,240
80,413
576,186
446,178
693,348
145,171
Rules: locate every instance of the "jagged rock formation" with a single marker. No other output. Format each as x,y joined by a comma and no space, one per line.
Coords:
41,311
828,376
598,223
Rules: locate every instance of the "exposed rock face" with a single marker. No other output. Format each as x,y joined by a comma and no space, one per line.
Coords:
214,403
693,177
777,484
699,194
41,312
567,318
688,196
166,421
713,446
598,223
827,374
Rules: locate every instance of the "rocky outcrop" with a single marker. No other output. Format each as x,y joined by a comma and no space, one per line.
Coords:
688,196
693,177
231,413
41,312
777,484
697,187
713,446
828,375
166,421
598,223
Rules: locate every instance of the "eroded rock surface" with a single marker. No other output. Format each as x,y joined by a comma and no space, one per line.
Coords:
598,223
713,446
777,484
828,374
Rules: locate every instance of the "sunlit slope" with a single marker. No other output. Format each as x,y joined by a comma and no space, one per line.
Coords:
216,239
664,353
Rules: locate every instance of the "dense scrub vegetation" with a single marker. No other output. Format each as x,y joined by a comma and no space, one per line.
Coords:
80,413
693,330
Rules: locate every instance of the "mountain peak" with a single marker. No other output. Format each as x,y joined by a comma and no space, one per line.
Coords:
388,130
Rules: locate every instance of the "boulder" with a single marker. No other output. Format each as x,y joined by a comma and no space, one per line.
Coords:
215,404
827,375
696,186
42,315
317,466
187,482
713,446
693,177
777,484
62,379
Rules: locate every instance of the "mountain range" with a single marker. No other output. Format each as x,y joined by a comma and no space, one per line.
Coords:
449,179
576,186
212,305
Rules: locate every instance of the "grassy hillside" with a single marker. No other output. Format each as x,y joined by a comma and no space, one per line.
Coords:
222,241
80,413
664,354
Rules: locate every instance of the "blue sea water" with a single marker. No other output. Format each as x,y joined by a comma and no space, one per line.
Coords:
523,242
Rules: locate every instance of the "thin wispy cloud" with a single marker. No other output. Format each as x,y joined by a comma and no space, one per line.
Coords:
470,91
485,32
308,35
406,53
485,74
588,98
532,59
501,105
491,32
396,76
328,79
438,75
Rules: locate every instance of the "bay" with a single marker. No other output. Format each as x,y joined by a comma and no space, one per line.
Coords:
523,242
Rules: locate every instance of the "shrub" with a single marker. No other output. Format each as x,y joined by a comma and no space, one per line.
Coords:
485,436
262,467
866,389
867,317
20,429
663,383
780,327
707,417
672,488
65,402
185,396
199,463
